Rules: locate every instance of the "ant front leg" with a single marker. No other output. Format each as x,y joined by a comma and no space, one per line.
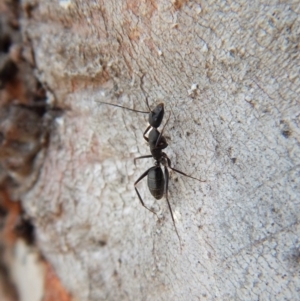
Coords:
160,137
176,170
144,135
137,192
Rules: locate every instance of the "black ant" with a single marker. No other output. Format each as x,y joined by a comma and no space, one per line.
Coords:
157,180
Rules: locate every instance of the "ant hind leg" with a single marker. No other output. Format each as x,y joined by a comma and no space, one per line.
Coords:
176,170
137,192
169,205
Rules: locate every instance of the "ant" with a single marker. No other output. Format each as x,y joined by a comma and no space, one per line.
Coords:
157,180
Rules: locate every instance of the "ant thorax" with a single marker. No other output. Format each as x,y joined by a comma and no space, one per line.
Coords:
156,141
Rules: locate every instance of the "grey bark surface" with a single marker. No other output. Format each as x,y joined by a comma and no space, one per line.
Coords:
228,73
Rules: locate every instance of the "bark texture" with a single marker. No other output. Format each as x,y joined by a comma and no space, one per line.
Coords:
228,72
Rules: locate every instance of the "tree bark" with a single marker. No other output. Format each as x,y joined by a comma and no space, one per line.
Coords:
228,74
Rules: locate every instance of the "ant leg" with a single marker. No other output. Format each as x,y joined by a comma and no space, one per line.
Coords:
142,157
162,145
176,170
137,192
144,135
170,209
160,134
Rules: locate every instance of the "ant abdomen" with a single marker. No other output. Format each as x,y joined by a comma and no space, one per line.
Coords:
156,182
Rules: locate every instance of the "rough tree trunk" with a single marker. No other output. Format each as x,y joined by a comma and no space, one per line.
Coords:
228,73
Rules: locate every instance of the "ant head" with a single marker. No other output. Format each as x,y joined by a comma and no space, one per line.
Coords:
156,115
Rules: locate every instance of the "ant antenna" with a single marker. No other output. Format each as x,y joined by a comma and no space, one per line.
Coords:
141,85
114,105
148,104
